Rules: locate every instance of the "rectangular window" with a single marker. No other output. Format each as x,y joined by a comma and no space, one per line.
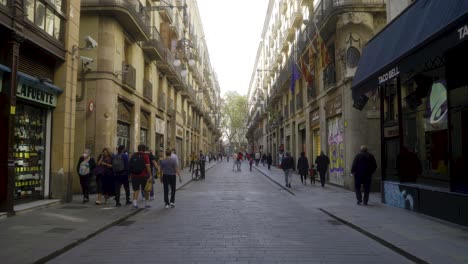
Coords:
58,28
50,17
40,15
3,2
424,157
391,130
29,9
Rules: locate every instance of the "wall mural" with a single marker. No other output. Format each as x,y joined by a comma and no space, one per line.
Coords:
398,196
336,149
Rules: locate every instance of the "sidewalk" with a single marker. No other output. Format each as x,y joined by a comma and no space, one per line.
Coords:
35,236
418,237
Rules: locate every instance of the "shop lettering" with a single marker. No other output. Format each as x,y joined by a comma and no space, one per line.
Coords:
36,95
389,75
463,32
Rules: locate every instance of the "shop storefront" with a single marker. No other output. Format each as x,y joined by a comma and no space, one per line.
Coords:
32,137
144,126
124,119
423,85
160,128
315,133
335,139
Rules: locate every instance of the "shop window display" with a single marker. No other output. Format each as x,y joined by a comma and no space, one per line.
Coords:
29,147
425,125
391,130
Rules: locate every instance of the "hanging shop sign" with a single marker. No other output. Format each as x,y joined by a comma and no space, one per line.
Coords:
160,126
301,126
334,107
314,117
35,94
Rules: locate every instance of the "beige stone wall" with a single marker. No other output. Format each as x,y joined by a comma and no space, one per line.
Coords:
62,154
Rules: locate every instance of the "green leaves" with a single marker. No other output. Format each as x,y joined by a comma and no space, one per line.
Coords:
234,111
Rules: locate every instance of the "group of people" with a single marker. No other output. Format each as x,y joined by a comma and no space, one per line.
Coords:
363,167
114,170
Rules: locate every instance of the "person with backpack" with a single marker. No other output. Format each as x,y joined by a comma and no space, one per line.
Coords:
120,169
140,170
86,165
170,170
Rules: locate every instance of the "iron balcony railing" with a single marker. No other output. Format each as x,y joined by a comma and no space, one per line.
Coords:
155,46
329,76
326,7
162,101
148,90
130,13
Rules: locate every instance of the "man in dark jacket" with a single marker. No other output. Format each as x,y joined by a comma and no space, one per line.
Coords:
287,164
364,166
269,160
121,176
322,162
303,167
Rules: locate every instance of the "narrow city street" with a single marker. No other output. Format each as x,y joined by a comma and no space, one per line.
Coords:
231,217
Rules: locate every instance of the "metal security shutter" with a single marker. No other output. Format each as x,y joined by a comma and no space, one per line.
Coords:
35,63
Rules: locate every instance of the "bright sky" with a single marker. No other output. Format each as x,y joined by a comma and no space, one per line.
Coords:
233,30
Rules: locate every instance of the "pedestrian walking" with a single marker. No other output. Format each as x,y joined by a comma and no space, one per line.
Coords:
235,160
154,163
240,158
364,165
269,160
169,170
120,170
264,157
303,167
287,164
193,159
312,173
322,162
202,162
257,158
104,176
251,161
85,167
140,170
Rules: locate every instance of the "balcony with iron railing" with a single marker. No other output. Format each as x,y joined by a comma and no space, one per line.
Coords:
148,90
326,8
329,76
176,28
154,47
128,76
299,101
165,11
296,14
162,101
130,14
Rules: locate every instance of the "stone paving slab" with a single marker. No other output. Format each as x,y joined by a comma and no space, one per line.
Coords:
427,238
231,217
33,235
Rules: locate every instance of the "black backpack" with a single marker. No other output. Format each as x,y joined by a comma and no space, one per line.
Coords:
118,163
137,163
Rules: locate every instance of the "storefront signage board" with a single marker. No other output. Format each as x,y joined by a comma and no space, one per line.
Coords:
36,95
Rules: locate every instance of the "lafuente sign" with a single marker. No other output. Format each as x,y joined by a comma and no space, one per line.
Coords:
35,94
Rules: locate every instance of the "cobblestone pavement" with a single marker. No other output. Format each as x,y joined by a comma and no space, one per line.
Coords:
231,217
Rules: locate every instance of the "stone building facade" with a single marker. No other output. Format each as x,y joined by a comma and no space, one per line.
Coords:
150,80
314,46
38,71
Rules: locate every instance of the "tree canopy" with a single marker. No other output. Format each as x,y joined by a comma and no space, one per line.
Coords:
234,112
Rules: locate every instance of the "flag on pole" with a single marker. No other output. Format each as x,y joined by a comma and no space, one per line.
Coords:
295,75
